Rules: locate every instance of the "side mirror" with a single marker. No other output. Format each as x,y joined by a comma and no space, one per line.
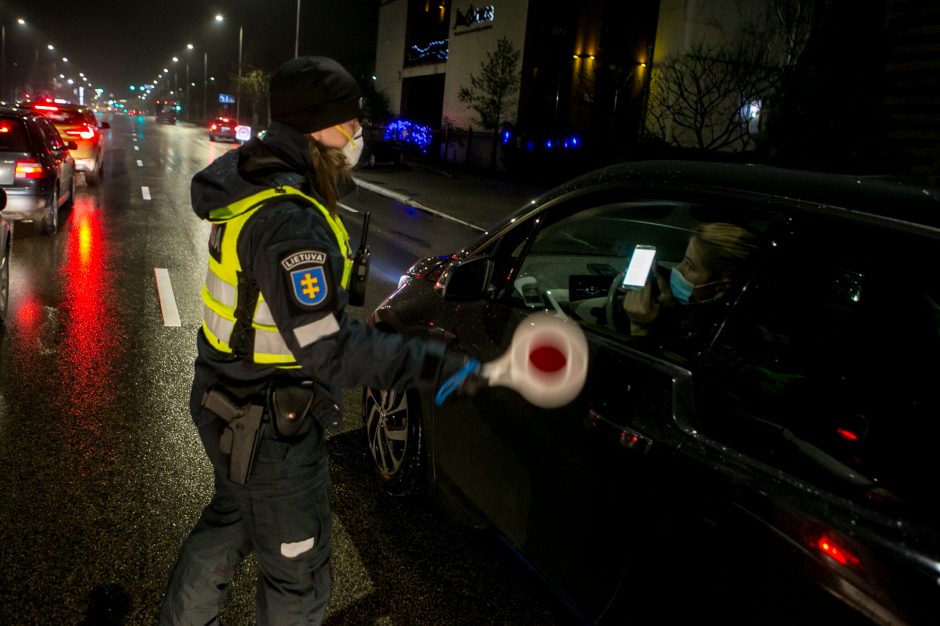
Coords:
465,281
71,145
104,125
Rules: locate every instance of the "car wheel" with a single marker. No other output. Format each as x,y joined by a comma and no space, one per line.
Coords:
50,221
5,279
211,138
92,178
395,436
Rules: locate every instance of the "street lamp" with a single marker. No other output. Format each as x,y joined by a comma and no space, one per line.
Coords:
297,33
3,47
238,85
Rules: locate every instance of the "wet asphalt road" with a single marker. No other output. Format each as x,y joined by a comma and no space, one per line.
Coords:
101,471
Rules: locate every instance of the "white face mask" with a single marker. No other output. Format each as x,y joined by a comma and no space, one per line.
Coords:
353,148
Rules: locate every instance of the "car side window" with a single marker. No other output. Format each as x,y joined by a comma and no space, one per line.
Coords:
577,260
51,138
828,369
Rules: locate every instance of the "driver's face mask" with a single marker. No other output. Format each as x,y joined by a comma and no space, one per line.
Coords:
353,148
682,288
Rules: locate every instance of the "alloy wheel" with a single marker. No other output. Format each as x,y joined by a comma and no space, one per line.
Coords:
386,421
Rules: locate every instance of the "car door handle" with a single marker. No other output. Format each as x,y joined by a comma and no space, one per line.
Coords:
624,436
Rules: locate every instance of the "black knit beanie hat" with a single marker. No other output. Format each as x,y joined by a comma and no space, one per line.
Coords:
312,93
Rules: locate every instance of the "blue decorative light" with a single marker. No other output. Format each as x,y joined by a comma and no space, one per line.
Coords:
434,52
409,132
506,136
549,144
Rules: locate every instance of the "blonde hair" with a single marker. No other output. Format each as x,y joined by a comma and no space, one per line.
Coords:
724,248
330,172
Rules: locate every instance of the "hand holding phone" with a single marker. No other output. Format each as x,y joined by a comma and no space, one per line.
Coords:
638,271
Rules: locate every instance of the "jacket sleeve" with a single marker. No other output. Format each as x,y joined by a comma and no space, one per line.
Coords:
298,267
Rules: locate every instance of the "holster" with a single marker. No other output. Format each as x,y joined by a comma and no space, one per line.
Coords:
240,438
290,405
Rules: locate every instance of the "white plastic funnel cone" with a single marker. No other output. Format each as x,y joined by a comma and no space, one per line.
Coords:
546,361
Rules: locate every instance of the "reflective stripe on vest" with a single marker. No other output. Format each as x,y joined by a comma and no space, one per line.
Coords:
220,291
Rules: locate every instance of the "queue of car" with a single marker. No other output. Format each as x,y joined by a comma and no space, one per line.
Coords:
767,459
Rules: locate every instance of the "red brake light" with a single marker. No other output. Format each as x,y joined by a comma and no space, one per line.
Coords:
88,132
46,107
837,552
225,119
213,127
28,168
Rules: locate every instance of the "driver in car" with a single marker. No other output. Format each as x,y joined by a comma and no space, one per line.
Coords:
714,260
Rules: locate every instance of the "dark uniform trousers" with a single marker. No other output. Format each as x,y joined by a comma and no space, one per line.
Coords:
282,515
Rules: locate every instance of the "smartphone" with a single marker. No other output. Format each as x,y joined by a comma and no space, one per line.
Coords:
638,271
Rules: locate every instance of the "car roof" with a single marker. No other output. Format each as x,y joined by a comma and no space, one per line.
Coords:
874,195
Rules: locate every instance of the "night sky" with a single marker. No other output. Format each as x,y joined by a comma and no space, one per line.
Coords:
119,43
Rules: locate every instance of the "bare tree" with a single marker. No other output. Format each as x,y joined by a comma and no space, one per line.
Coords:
494,90
707,96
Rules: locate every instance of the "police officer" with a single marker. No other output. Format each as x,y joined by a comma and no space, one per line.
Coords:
275,349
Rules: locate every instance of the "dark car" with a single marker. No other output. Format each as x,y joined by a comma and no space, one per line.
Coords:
769,460
379,150
165,111
6,245
37,170
222,128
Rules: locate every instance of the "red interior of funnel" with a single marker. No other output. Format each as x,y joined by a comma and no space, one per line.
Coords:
548,359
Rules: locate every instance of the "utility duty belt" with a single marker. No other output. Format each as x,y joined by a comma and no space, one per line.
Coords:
286,407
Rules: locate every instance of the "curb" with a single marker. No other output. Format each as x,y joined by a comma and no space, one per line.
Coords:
404,199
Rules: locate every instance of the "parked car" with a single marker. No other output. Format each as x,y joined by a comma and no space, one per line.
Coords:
770,461
222,128
378,150
37,171
6,246
80,125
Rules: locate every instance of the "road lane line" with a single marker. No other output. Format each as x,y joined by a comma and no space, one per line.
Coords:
412,203
145,192
140,163
348,208
171,314
136,147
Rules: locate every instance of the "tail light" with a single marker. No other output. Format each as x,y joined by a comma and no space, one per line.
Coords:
87,132
28,168
46,107
214,127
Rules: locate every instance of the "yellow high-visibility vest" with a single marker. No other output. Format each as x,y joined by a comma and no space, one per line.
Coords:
220,291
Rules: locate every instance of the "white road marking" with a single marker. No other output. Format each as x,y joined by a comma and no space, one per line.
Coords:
136,147
145,192
412,203
140,163
171,314
348,208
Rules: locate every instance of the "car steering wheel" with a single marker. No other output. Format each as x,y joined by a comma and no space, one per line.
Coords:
612,299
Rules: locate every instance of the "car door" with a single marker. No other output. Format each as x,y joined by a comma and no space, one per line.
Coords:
58,155
815,421
584,490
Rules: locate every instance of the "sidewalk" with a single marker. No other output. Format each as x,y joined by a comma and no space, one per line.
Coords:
466,196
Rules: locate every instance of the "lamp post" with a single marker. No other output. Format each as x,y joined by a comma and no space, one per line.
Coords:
238,85
297,33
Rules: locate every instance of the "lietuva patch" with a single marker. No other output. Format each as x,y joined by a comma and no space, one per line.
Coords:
307,275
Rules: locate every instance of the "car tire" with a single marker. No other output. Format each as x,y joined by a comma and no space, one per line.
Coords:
211,138
395,436
71,201
50,221
93,178
5,278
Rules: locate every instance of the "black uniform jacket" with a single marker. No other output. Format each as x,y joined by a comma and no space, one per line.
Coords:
270,242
